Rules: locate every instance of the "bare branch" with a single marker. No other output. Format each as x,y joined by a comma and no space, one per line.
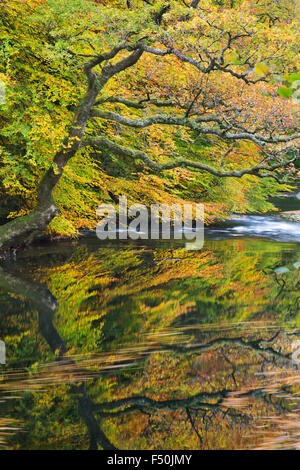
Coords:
141,104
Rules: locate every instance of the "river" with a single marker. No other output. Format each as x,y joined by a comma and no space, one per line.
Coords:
144,345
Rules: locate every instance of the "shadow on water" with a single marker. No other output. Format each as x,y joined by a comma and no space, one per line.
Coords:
150,346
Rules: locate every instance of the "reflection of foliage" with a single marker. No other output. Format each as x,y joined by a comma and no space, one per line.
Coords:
288,296
123,293
203,384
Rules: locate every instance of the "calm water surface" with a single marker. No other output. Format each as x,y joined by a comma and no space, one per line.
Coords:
149,346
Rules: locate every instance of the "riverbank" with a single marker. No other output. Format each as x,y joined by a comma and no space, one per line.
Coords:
292,216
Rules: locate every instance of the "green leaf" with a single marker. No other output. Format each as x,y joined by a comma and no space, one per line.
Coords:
293,77
285,92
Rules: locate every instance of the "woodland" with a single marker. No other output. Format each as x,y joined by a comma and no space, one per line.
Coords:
144,344
160,101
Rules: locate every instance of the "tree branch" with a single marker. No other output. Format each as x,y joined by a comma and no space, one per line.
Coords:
222,130
256,170
141,104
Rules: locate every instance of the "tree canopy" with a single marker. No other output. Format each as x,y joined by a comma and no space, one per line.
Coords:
159,100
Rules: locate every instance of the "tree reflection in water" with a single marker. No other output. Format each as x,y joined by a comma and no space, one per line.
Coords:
146,348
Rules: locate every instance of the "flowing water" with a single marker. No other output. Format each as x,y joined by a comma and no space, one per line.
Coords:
144,345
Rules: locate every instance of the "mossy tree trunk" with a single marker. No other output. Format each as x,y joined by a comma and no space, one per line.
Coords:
26,229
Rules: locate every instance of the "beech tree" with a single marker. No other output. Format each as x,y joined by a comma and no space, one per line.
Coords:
208,70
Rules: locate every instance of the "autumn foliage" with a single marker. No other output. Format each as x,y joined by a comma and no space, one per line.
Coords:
217,82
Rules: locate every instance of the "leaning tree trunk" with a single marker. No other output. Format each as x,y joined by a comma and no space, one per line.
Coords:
26,229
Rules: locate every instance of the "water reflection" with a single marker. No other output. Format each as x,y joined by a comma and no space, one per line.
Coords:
150,348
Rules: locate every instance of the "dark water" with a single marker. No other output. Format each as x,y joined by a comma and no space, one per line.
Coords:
148,346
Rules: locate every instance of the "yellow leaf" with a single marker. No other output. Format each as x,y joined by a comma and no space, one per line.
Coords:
261,69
